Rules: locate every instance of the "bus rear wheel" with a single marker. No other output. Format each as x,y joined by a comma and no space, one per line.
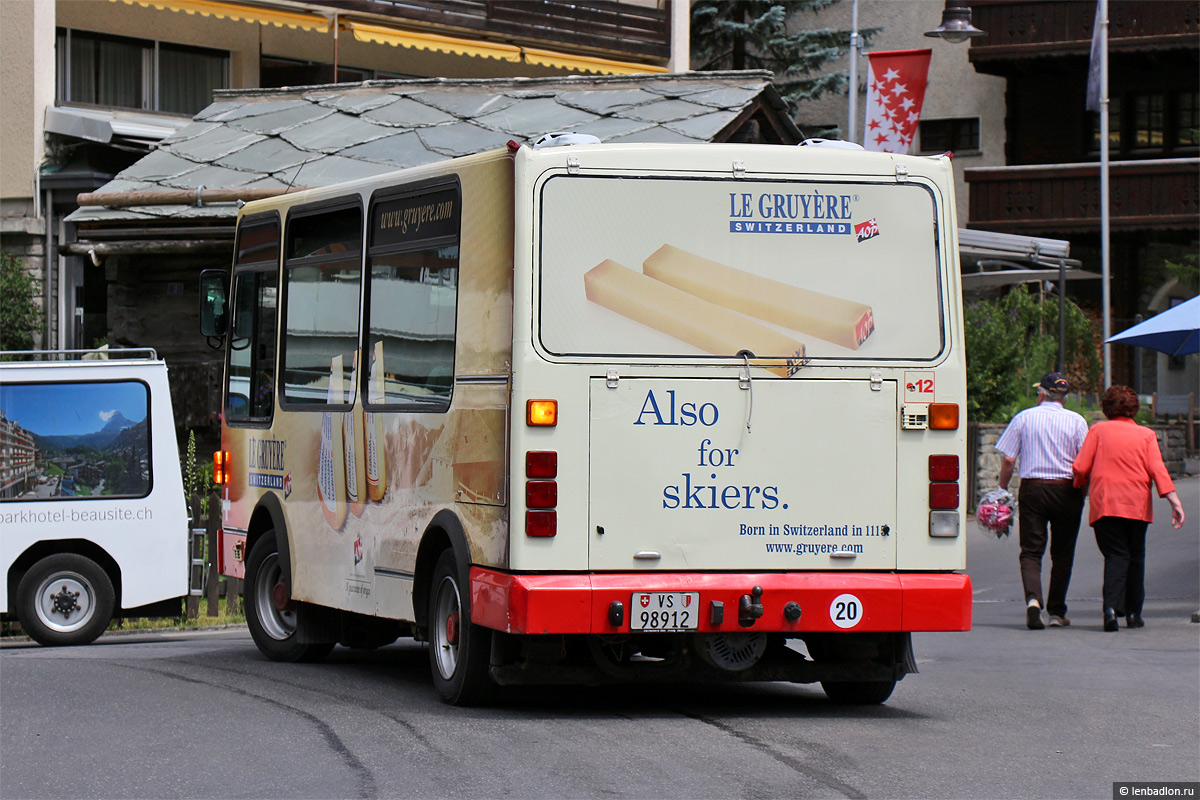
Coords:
65,599
459,650
272,628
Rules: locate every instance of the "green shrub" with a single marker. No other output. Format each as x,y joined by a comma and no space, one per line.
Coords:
1013,341
20,316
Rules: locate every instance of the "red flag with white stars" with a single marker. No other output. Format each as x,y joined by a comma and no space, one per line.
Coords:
895,91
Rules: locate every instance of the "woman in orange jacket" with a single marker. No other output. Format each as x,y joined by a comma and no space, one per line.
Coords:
1120,458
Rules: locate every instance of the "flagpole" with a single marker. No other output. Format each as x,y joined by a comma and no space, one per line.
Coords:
1105,255
855,46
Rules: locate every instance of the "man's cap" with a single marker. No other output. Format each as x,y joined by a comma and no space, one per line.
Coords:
1054,382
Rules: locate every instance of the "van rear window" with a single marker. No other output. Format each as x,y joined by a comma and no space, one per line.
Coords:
74,440
800,271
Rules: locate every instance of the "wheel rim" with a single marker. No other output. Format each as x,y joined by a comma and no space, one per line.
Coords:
66,602
277,624
447,627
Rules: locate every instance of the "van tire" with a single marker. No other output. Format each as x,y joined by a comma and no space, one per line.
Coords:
65,599
858,693
459,650
273,630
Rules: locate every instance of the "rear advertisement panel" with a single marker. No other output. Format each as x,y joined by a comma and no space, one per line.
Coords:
793,271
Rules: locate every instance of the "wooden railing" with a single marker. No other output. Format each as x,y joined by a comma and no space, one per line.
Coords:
1157,194
1018,28
609,26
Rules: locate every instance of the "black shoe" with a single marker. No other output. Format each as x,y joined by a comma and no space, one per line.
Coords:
1134,621
1110,620
1033,617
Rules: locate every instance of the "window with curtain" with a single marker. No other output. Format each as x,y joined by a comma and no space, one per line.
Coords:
122,72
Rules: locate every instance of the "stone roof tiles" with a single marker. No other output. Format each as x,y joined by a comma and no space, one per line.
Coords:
318,135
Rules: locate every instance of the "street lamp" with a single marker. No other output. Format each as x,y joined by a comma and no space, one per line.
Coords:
956,27
956,23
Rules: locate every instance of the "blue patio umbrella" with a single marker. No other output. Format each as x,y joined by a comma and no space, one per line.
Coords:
1175,331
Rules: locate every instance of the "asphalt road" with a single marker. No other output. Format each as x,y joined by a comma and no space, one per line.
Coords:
999,712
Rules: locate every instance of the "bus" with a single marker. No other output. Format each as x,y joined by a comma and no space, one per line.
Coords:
582,413
93,518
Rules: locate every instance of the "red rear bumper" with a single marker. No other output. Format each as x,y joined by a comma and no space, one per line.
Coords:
581,603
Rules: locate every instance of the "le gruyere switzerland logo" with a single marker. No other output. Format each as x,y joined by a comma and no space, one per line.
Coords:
790,212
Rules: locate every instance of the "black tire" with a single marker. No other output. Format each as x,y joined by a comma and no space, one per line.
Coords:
65,599
858,693
459,651
273,630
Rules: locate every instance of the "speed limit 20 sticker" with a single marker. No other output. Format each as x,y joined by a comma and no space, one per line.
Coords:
846,611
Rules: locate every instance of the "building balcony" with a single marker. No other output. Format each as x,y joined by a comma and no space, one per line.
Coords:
636,31
1159,194
1035,28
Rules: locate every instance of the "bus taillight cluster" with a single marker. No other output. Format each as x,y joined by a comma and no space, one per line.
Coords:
221,467
541,493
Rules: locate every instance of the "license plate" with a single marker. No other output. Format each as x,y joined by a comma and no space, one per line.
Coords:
664,611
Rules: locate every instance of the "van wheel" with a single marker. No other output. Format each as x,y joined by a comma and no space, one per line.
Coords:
459,651
65,599
273,629
858,693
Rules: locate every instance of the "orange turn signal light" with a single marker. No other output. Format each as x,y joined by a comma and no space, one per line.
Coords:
541,413
221,467
943,416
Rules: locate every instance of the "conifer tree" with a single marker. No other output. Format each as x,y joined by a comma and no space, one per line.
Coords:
771,35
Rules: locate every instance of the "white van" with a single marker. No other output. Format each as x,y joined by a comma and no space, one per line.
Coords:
93,518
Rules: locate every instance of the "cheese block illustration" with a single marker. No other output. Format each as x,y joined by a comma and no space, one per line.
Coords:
352,431
833,319
331,460
376,457
702,324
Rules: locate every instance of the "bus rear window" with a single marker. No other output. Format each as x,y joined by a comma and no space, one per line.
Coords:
790,270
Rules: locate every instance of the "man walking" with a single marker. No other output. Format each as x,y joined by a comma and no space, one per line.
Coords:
1046,439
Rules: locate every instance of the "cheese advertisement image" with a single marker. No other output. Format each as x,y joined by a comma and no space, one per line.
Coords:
789,272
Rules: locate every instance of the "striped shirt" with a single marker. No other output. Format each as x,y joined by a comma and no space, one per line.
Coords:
1045,440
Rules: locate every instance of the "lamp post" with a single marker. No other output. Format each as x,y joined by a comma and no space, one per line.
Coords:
956,27
956,23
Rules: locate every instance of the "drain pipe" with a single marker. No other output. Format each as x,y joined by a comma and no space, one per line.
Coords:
49,259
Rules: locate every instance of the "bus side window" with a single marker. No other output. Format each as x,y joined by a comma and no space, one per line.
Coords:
323,272
413,300
250,393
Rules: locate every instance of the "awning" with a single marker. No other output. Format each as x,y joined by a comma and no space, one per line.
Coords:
105,126
236,11
601,66
397,37
988,259
419,40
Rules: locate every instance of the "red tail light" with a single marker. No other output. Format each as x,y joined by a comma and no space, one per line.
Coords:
541,494
541,523
943,468
943,495
541,464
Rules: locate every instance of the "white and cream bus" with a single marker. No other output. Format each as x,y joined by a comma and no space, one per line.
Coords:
602,413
